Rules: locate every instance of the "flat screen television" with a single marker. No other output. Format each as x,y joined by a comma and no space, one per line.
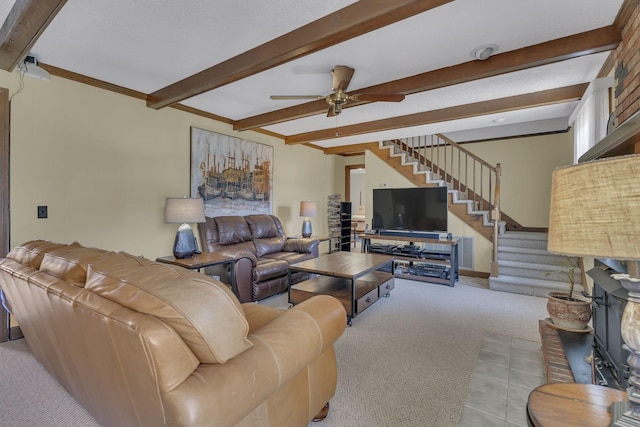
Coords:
410,209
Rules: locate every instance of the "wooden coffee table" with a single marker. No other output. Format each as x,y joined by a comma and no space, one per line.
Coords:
356,279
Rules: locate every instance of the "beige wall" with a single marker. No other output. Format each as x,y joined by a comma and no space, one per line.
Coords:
104,163
527,164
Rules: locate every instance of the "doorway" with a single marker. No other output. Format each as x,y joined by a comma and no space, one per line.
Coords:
355,192
354,186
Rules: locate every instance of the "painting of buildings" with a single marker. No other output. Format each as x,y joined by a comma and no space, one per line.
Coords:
232,175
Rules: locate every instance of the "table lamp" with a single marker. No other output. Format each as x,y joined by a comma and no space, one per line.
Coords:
307,210
184,211
595,212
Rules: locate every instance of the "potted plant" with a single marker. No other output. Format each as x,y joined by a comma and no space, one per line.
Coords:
566,310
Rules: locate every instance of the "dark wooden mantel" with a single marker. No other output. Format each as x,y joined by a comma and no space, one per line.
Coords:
625,139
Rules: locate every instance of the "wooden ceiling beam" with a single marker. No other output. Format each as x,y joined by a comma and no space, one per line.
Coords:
353,149
518,102
599,40
26,21
354,20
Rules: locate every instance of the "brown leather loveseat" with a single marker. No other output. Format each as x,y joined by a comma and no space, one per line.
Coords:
261,250
139,343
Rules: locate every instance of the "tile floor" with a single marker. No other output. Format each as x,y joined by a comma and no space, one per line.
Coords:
506,371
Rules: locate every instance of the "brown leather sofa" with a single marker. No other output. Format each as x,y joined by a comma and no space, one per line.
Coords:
140,343
261,251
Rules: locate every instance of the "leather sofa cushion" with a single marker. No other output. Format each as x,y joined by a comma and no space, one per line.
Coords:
261,226
268,269
268,245
202,311
71,262
232,229
32,253
267,236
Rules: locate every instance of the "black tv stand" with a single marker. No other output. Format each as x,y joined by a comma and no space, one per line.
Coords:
413,262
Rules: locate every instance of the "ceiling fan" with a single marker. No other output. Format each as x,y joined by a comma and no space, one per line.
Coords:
339,97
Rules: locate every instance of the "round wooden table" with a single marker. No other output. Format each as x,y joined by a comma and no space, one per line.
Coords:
567,405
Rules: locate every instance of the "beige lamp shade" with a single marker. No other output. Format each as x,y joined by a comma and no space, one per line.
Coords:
308,209
180,210
595,209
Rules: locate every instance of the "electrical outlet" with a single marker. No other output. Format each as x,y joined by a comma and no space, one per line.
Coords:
42,212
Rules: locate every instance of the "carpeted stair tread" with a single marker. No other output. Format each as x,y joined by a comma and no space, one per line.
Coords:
525,250
531,256
521,239
528,235
552,272
532,266
525,266
529,286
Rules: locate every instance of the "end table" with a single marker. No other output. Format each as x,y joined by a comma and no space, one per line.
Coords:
202,260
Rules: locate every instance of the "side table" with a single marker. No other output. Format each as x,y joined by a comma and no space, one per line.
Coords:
570,404
202,260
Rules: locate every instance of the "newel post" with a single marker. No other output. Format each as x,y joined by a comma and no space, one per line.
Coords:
495,217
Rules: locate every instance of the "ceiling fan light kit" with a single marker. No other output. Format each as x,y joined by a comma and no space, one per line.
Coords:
341,78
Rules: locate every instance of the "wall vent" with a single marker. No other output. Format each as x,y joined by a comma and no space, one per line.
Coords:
465,251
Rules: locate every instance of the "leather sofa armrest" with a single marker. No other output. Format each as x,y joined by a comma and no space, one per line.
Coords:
238,254
304,245
282,348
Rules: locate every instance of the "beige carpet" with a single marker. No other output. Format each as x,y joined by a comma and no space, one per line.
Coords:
406,361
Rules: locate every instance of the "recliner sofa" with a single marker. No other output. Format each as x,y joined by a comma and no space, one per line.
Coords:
139,343
261,250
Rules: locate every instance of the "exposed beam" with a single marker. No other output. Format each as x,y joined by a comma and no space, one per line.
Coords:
359,18
536,99
26,21
624,14
100,84
349,149
599,40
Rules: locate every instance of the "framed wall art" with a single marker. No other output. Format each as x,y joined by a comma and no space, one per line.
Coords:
232,175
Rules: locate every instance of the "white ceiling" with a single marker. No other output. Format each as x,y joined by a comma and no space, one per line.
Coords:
146,45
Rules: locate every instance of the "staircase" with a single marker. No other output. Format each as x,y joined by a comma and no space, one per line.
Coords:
521,263
526,267
465,201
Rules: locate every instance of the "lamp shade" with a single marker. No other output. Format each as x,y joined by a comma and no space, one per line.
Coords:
180,210
308,209
595,209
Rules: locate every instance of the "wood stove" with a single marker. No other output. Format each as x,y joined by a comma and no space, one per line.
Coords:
609,300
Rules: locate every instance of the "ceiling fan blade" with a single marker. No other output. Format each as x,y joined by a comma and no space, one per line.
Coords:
297,97
371,97
341,77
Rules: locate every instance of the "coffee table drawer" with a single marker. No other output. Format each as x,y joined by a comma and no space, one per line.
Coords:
386,287
365,301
